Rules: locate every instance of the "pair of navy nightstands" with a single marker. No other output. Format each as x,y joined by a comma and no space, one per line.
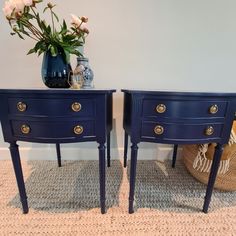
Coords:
67,116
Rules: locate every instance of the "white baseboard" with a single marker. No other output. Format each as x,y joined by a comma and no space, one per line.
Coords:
160,153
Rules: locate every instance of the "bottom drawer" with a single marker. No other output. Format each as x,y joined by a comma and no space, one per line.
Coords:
36,129
170,131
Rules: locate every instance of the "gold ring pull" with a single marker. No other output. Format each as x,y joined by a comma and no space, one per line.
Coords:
159,130
25,129
213,109
160,108
78,129
76,106
21,106
209,130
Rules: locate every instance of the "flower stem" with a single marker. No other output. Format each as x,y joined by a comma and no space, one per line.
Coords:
53,25
34,30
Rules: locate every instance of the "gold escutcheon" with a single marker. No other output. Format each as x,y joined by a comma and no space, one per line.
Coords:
21,106
76,106
209,130
78,129
213,109
160,108
25,129
159,130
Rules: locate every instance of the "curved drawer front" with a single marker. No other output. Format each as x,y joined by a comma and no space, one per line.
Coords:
183,109
82,107
54,130
157,130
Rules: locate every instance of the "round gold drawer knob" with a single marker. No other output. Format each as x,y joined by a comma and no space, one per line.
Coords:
213,109
21,106
160,108
209,130
78,129
159,130
76,106
25,129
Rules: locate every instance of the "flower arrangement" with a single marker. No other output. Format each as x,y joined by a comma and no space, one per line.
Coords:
25,20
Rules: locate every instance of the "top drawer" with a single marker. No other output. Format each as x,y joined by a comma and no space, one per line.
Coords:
183,109
84,107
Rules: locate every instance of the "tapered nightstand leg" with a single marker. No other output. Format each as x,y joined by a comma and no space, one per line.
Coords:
102,177
125,149
174,155
58,154
109,149
134,154
212,177
15,156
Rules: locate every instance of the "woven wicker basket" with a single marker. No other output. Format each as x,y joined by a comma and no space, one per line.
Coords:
225,181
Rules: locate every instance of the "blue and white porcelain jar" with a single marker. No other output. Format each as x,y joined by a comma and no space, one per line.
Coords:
84,73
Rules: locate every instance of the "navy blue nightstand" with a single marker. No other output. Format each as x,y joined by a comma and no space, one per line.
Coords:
177,118
56,116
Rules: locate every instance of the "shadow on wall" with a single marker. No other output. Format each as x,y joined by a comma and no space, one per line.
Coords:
71,188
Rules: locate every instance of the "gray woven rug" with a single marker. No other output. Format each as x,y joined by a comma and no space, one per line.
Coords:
161,187
65,201
75,186
72,187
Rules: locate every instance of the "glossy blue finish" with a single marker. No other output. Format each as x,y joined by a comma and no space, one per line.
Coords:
56,73
185,120
51,119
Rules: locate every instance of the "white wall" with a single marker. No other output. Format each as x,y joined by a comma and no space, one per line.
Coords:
157,44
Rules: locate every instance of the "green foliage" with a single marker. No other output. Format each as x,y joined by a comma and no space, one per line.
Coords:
48,37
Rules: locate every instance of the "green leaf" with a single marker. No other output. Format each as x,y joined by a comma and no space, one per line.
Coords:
20,25
38,20
20,35
63,28
45,29
26,9
40,52
64,25
45,9
31,51
55,16
30,16
40,45
53,50
65,55
79,54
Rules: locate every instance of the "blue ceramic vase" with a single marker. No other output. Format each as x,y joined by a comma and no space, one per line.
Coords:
56,73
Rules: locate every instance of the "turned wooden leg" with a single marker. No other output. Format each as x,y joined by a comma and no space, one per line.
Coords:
174,155
125,149
109,149
15,156
102,177
212,177
58,154
133,164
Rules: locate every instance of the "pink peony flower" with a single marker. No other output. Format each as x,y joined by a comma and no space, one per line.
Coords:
75,20
7,9
19,5
28,2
